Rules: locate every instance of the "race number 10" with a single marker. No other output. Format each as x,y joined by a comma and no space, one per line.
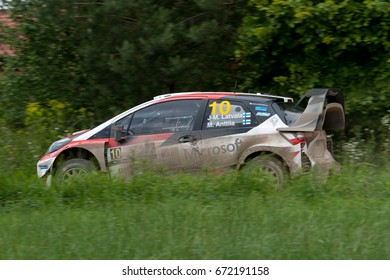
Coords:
224,107
116,153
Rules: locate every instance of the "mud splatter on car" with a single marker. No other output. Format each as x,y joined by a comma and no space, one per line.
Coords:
259,133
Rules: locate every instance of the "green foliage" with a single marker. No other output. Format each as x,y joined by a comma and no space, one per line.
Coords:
20,148
45,123
106,56
45,63
295,45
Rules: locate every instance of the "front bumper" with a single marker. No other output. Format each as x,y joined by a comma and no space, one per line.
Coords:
44,166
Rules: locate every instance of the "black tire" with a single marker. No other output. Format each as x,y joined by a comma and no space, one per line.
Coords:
266,169
73,170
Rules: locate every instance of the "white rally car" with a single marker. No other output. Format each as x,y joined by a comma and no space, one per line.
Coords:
256,132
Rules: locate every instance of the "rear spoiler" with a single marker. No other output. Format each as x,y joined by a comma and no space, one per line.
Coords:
324,111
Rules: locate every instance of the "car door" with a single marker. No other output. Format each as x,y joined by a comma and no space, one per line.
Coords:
224,132
162,136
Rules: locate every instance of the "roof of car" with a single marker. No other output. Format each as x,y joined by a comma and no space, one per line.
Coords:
217,95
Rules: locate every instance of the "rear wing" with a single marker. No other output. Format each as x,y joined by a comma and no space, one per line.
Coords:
324,111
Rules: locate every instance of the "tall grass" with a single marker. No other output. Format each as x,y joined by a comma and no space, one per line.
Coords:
203,215
198,216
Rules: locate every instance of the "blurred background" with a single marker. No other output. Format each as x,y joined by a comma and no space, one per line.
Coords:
71,64
68,65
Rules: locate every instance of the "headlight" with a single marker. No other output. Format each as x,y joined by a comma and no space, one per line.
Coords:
58,145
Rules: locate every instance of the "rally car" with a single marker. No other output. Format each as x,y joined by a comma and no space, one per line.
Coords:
259,133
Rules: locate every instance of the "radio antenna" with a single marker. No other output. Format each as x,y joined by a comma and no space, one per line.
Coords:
235,87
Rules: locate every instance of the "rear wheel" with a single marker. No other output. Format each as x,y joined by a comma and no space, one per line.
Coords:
73,170
266,169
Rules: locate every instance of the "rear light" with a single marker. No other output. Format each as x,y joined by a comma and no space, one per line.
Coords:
297,140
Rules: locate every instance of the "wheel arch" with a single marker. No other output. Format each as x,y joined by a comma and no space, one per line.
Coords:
75,152
260,151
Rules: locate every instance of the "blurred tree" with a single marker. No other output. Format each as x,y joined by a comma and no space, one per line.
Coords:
45,65
293,45
108,55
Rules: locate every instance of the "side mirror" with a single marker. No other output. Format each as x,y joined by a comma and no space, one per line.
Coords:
119,133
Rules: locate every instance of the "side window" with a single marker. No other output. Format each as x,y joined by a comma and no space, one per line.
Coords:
262,110
225,114
104,133
125,122
170,116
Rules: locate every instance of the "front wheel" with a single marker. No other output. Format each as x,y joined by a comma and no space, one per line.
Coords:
266,169
73,169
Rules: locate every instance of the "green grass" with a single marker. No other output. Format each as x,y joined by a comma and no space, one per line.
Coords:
232,229
198,216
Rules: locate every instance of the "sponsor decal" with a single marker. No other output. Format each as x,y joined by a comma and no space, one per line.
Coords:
261,108
263,114
191,154
169,152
